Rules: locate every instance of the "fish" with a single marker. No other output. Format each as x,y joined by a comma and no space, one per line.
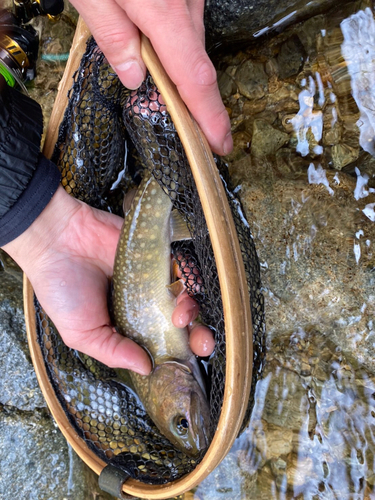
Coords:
174,394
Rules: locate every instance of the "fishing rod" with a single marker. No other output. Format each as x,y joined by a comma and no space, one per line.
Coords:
19,41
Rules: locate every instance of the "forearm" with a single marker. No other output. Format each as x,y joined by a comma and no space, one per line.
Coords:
27,179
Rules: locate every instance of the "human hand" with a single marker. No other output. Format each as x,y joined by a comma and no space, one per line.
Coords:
68,254
176,30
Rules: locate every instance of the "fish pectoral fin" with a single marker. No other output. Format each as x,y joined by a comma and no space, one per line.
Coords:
128,201
179,229
176,288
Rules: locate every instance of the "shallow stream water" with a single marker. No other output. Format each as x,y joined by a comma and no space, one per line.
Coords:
302,106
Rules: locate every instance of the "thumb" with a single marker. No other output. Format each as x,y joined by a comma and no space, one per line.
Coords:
117,37
110,348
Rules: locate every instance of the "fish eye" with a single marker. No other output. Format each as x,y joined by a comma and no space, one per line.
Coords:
182,425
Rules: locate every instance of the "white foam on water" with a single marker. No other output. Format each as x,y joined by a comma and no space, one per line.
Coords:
369,211
318,176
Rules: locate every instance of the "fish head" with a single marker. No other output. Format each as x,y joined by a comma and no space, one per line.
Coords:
180,408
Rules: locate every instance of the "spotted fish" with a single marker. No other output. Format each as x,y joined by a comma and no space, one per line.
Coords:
173,394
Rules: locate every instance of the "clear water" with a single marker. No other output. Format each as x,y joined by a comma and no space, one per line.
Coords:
303,123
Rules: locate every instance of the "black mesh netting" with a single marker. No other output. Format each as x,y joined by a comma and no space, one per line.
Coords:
100,118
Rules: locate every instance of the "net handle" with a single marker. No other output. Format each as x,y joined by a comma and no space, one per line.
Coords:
231,274
77,50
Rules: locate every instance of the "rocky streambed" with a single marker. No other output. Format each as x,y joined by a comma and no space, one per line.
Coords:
302,109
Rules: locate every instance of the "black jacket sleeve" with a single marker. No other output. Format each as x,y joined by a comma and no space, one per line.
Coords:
27,179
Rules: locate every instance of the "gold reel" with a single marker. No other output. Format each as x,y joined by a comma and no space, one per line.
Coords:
231,273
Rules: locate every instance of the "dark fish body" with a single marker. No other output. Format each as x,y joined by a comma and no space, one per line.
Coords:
173,394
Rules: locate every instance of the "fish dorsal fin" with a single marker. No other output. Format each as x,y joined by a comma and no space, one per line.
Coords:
128,201
179,229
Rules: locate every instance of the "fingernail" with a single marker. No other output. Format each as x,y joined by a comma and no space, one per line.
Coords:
130,73
228,144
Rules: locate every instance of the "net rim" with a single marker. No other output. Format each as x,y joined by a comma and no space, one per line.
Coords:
236,302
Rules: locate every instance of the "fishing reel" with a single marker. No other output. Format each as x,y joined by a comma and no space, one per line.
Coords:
19,41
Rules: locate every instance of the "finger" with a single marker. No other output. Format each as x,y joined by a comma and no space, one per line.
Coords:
196,9
188,65
117,37
184,295
185,312
110,348
201,341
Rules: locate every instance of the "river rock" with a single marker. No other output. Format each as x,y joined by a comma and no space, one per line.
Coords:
226,83
234,21
252,80
290,57
266,139
18,384
38,464
343,155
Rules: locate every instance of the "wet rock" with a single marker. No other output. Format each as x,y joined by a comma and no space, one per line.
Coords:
242,141
299,472
232,21
227,85
18,384
277,442
307,33
266,139
305,370
251,80
222,483
284,409
37,464
254,107
343,155
290,58
284,98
